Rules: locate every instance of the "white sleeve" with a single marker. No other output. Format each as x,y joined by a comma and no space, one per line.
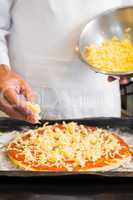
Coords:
127,2
5,22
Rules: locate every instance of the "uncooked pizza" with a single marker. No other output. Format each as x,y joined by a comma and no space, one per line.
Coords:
68,147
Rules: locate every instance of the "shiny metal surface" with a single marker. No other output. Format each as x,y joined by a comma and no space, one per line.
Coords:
104,26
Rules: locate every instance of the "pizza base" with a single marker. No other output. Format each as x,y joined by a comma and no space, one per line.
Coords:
109,167
113,163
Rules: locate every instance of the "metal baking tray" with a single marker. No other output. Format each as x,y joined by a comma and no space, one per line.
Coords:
123,125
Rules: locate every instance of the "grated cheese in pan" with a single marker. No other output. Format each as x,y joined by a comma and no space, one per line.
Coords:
112,55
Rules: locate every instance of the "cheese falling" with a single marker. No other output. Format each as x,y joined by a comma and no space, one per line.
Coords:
70,146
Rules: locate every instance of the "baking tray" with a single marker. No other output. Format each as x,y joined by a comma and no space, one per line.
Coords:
123,125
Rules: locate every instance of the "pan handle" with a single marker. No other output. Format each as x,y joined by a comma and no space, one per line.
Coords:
130,78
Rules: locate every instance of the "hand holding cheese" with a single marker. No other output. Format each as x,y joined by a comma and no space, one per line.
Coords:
14,94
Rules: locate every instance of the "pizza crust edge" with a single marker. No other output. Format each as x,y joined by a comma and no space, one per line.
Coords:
109,167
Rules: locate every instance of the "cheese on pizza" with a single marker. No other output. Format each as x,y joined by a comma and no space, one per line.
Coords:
67,147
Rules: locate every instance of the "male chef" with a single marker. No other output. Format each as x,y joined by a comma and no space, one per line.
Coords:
37,55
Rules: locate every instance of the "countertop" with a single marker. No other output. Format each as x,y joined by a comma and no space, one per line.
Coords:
66,189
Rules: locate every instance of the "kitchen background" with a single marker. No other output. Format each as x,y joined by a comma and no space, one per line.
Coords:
127,100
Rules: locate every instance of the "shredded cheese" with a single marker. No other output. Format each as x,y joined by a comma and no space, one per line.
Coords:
112,55
67,145
35,108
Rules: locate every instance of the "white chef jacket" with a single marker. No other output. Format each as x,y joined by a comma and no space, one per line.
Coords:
40,46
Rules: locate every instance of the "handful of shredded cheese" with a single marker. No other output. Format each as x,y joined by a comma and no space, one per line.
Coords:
35,108
112,55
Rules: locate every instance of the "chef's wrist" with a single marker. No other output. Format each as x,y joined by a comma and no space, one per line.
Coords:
4,70
5,66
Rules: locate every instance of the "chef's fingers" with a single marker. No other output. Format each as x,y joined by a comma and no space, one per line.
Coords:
9,95
17,104
16,101
10,111
124,80
27,91
111,78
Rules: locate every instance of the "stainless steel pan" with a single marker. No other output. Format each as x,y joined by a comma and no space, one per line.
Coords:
104,26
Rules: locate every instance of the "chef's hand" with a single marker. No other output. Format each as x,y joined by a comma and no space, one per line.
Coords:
124,80
14,92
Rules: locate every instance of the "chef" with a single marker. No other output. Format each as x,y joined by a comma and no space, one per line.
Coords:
37,50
